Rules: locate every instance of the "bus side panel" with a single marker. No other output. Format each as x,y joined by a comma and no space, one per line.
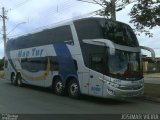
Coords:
7,70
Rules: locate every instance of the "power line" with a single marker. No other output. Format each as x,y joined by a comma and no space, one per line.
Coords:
66,5
20,4
54,24
63,8
52,12
2,3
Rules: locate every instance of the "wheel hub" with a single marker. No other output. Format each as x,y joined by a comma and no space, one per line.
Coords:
59,86
74,89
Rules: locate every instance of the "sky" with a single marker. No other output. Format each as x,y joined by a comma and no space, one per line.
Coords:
27,16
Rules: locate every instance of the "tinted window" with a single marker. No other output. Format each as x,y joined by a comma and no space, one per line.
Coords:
88,29
63,34
97,63
97,28
120,33
34,64
54,64
45,37
124,65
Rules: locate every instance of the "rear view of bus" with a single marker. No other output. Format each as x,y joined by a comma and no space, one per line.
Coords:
112,53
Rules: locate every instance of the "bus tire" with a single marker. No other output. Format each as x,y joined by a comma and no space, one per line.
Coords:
58,86
13,79
19,80
73,89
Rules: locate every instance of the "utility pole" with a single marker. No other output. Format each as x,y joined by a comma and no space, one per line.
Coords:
4,17
4,27
113,10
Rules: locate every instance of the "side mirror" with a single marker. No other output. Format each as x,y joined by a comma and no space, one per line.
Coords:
107,43
150,50
102,42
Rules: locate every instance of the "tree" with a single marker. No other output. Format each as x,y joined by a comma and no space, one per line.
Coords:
1,63
109,8
144,13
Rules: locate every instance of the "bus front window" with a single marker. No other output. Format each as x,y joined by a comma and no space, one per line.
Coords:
125,65
120,34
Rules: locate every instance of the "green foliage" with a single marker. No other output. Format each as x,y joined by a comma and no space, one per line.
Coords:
107,6
145,13
2,74
1,64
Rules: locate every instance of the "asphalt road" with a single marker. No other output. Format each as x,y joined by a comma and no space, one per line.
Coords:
152,80
34,100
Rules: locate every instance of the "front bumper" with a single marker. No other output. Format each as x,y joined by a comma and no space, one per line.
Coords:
116,92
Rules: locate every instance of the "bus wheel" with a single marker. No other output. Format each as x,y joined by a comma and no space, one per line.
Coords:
19,80
13,79
73,89
58,86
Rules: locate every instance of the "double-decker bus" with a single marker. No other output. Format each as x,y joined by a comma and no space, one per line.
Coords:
92,56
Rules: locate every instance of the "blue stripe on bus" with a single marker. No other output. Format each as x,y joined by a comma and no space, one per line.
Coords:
11,63
8,53
65,60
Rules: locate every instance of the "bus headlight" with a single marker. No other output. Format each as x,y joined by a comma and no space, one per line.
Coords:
113,84
111,92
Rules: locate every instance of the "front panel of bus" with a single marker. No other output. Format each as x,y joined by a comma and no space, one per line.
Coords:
111,74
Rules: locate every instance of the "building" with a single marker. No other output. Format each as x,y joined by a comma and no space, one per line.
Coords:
150,66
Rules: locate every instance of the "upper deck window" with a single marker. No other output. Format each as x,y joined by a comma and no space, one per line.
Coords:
45,37
117,32
120,33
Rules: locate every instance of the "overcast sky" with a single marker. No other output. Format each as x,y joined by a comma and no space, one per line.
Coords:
39,13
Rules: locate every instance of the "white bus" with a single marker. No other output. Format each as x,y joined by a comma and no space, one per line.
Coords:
92,56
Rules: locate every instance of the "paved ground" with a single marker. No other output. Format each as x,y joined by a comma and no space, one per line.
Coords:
152,75
33,100
153,78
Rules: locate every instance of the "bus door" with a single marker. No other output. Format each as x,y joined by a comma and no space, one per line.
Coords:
97,65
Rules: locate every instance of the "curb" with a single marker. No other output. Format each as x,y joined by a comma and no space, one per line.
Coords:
149,98
153,77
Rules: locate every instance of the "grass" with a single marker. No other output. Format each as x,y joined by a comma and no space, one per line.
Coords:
1,74
152,90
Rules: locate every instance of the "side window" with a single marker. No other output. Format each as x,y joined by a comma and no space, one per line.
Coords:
43,63
88,29
34,64
63,34
54,64
45,37
25,63
97,63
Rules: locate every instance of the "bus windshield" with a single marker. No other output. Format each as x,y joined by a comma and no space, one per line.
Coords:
120,33
125,65
116,32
